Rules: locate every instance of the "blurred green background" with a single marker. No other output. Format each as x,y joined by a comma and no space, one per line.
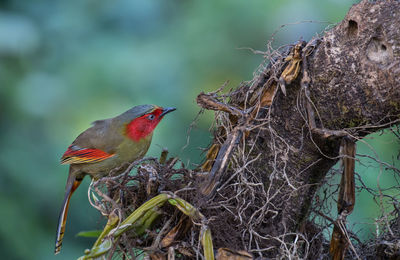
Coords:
64,64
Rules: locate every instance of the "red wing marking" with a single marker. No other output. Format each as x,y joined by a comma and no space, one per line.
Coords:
75,154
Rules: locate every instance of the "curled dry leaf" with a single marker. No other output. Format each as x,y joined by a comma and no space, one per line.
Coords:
186,251
230,254
293,68
210,157
158,256
266,98
181,228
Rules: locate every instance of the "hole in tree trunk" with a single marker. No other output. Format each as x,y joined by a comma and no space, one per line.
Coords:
352,28
379,51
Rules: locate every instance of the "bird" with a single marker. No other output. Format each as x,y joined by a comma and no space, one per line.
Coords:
108,144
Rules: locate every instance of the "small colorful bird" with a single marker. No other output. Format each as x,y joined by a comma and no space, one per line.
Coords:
106,145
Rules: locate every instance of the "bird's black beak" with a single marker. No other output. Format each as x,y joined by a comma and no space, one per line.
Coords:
167,110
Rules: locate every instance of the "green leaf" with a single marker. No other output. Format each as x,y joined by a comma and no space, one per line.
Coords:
89,233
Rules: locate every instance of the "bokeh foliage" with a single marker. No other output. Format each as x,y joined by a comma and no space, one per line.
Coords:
64,64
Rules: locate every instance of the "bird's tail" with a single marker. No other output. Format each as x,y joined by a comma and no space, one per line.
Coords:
72,184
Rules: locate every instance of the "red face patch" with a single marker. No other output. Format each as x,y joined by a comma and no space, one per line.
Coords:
142,126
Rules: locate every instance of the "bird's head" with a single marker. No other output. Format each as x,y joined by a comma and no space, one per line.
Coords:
141,120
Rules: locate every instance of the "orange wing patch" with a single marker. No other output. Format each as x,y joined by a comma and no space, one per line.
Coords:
75,154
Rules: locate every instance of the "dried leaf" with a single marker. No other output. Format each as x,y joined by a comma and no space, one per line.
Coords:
293,68
266,99
163,156
338,244
185,251
158,256
211,155
230,254
181,228
347,195
268,96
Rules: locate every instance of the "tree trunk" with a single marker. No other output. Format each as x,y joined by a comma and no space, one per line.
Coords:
351,76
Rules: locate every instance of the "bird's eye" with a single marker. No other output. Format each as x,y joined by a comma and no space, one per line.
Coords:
151,117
